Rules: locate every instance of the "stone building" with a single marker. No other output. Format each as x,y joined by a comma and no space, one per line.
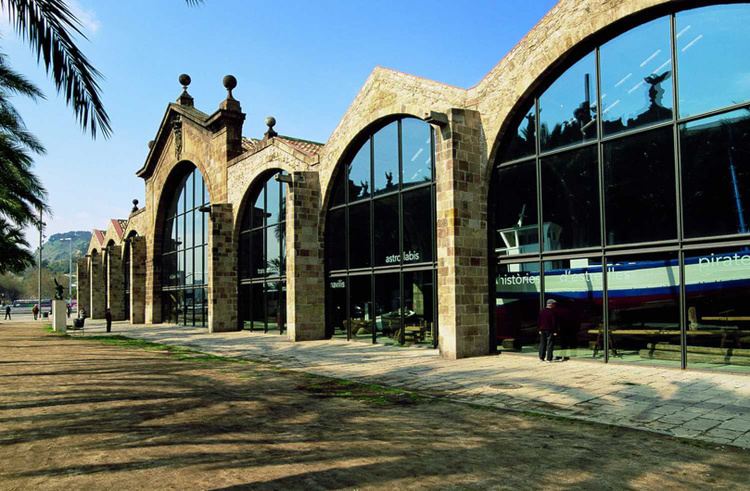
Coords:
603,163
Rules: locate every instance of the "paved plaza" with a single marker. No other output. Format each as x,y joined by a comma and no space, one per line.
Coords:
708,406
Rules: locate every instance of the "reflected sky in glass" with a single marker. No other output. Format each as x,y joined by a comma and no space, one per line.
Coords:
359,174
417,157
566,109
636,70
714,67
385,158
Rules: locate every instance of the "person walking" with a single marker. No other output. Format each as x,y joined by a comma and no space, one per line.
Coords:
108,318
7,313
548,330
35,310
69,309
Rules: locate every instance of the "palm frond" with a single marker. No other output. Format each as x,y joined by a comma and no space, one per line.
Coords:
48,26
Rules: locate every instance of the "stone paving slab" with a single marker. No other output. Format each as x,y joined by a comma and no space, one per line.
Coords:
707,406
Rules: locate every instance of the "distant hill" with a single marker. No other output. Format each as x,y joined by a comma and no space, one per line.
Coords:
55,252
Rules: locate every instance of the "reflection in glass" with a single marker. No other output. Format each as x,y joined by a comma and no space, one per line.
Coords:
338,194
359,230
273,251
417,226
273,201
516,210
360,308
417,151
714,68
385,158
643,301
257,254
386,231
576,285
359,174
640,188
336,307
418,307
517,288
388,313
636,70
335,240
716,174
567,110
522,141
717,284
570,200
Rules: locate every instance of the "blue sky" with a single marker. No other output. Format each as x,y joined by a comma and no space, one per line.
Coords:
300,61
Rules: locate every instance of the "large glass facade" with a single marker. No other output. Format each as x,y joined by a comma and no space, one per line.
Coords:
621,192
262,258
184,254
380,239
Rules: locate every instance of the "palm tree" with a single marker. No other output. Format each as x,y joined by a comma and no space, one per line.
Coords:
49,26
14,250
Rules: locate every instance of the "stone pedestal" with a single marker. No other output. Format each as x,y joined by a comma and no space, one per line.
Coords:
221,270
59,316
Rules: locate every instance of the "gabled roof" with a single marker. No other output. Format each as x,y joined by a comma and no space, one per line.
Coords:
253,145
99,234
119,226
308,147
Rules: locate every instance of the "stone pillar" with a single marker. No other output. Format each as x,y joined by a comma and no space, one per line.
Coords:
305,297
97,301
221,271
137,280
152,307
461,237
116,286
83,290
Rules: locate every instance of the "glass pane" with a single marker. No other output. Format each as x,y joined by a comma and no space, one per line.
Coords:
199,270
258,308
170,270
570,200
418,225
273,310
388,324
522,139
417,151
243,307
360,303
567,112
386,231
189,236
338,193
200,191
517,289
281,231
418,307
273,250
643,298
714,68
273,201
189,191
335,307
180,229
359,174
181,197
637,77
168,244
385,162
514,195
259,209
198,230
335,252
201,302
359,233
716,174
717,284
640,188
257,256
189,272
189,307
180,268
169,307
576,285
282,199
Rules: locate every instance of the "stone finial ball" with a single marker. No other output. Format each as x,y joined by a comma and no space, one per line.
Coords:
270,121
229,82
184,79
151,144
135,202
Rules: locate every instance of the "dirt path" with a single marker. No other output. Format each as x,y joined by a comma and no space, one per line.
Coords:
84,414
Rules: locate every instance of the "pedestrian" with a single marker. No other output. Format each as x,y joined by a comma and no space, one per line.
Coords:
108,318
69,309
548,330
35,310
7,313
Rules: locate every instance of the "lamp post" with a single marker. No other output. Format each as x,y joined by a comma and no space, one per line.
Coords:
70,268
40,224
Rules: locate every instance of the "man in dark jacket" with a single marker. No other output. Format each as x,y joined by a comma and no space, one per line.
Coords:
108,318
548,330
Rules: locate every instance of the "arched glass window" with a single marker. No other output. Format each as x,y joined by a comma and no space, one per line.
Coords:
380,238
184,254
612,176
262,258
126,271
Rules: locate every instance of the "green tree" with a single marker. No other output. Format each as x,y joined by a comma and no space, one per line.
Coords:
14,253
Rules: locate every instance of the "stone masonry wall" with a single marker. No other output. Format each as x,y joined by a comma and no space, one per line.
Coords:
305,275
97,302
83,290
137,280
221,271
116,286
462,238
